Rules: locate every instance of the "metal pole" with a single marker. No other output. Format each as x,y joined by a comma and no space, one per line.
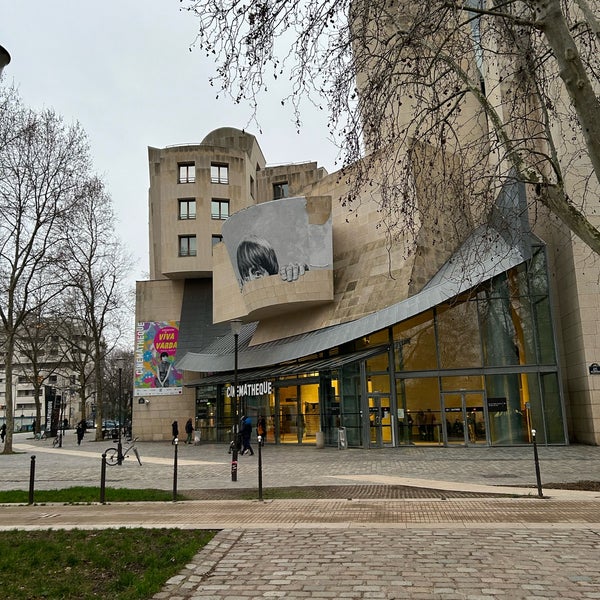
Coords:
537,465
103,479
176,442
31,479
120,443
260,487
62,420
234,447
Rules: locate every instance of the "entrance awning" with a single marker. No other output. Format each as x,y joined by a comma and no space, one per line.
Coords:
312,366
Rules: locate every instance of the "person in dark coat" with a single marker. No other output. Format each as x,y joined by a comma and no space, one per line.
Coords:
189,429
246,434
174,431
80,431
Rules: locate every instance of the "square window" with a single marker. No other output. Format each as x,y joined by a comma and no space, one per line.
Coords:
187,172
219,208
187,245
219,173
187,208
281,190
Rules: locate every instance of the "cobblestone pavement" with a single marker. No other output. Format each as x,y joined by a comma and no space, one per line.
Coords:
208,466
473,548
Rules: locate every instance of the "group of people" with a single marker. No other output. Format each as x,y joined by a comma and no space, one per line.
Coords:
243,442
189,431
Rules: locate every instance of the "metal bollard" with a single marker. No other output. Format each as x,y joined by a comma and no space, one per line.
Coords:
176,443
234,460
260,487
537,465
31,479
103,479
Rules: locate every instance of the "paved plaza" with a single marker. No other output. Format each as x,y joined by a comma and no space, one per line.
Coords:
442,547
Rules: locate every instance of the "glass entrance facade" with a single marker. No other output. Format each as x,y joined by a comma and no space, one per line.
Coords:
480,369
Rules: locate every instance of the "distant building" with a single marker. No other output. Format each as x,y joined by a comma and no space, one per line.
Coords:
49,361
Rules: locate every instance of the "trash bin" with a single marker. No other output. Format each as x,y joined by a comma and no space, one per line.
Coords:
196,437
320,439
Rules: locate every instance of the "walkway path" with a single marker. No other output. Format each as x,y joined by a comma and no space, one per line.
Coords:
520,547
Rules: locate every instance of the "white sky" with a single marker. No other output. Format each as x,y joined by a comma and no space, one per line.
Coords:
123,69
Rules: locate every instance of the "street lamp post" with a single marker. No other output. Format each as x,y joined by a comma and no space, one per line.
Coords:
120,441
236,327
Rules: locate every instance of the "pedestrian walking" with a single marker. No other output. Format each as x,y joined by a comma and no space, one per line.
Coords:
174,431
80,431
189,429
246,434
3,432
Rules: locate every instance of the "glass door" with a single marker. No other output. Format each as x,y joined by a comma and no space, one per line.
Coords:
464,422
380,421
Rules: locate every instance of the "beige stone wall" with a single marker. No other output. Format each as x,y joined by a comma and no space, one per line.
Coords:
371,269
229,146
161,301
297,176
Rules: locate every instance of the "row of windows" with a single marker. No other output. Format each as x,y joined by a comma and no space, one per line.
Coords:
188,247
219,173
219,208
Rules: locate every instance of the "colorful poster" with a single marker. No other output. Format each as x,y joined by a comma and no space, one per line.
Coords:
155,349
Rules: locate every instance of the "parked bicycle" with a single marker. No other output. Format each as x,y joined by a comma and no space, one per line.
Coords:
112,454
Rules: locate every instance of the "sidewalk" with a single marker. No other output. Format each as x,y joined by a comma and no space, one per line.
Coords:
470,548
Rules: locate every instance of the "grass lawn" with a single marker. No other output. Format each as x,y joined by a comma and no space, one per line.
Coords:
83,494
120,564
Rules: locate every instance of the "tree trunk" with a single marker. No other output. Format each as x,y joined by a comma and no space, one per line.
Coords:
8,394
573,74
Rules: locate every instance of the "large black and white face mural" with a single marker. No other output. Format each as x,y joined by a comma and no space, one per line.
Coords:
278,238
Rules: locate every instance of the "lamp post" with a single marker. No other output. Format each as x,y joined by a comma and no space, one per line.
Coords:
120,441
236,327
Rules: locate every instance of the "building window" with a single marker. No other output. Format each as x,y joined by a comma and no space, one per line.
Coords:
280,190
187,245
52,379
216,239
187,172
251,186
23,379
219,208
219,173
187,208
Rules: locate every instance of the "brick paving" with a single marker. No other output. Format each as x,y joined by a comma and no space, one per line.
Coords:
365,563
451,538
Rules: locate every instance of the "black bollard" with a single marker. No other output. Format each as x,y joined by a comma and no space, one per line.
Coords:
260,490
234,460
103,479
176,442
31,479
537,465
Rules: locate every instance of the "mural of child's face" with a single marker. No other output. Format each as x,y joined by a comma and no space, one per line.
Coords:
256,273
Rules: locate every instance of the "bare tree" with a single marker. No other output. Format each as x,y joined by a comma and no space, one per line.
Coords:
96,269
41,162
38,353
481,92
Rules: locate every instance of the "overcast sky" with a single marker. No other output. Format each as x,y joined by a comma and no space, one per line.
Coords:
123,69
